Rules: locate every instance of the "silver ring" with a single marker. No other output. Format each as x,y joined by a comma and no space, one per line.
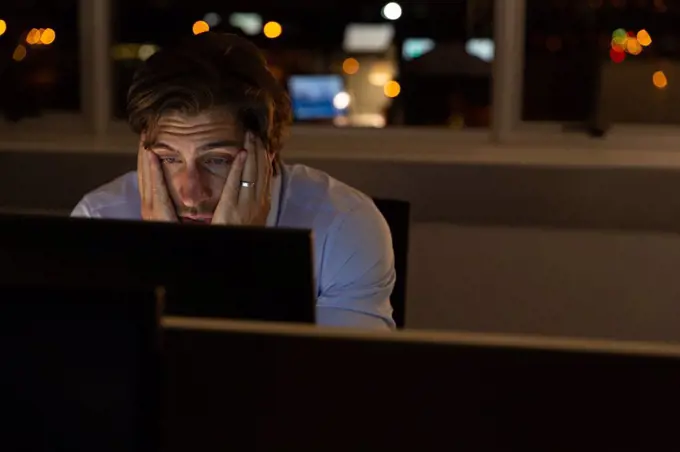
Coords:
246,184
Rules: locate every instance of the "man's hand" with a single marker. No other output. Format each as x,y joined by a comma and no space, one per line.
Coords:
246,196
156,202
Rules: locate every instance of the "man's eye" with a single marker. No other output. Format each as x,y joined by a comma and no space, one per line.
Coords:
218,161
169,160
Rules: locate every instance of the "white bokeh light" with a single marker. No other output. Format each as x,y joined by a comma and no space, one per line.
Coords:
481,48
146,51
249,23
212,19
391,11
341,100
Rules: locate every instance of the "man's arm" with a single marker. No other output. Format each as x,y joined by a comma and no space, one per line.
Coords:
357,272
82,210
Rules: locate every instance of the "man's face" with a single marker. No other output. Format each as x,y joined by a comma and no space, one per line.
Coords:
196,153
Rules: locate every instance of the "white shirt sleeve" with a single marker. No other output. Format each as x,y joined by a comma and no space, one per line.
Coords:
82,210
357,272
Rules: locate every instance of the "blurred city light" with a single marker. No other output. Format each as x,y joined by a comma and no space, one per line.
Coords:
350,66
633,46
33,37
368,38
416,47
482,48
381,73
391,11
272,30
41,36
212,19
628,42
379,78
617,55
341,100
19,53
249,23
47,36
619,36
200,26
659,79
644,38
146,51
392,89
3,27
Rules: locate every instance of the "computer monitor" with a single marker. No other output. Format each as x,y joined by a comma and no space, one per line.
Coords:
80,370
206,271
277,387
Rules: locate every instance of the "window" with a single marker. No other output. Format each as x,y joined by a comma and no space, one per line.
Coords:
551,63
602,62
370,63
39,57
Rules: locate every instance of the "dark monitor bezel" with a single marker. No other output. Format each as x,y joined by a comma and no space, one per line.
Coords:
198,261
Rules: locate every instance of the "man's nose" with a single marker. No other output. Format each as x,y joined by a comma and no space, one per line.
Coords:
193,190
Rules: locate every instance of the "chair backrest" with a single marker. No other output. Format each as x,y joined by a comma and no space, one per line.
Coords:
398,216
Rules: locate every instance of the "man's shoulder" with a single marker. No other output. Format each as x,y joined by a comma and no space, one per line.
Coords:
314,190
118,199
318,199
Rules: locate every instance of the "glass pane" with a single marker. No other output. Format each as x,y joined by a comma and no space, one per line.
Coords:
602,61
344,63
39,57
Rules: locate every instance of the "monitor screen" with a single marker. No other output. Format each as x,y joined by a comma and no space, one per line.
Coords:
316,97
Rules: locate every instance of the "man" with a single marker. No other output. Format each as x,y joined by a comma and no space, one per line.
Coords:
212,120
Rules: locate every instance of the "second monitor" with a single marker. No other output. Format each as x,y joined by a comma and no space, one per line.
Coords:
295,387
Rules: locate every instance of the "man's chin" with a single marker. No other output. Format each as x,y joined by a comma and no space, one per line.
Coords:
196,220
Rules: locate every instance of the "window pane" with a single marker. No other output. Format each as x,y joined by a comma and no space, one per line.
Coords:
344,63
602,61
39,57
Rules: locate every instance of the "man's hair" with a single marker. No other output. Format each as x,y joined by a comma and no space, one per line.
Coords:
211,71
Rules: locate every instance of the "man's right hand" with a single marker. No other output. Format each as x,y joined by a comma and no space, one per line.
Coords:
156,202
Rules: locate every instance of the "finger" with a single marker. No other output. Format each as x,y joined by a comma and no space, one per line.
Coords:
144,176
160,194
250,174
140,174
264,173
230,192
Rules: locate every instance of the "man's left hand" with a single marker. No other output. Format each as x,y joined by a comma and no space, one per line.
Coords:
246,197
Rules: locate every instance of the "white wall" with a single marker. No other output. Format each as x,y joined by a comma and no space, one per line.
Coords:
553,282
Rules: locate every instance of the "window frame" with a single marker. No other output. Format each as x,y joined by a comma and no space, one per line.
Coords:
94,130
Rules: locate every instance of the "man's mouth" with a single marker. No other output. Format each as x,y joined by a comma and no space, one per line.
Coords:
196,219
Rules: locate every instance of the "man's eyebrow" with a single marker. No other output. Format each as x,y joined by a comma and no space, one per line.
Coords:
220,144
162,145
202,148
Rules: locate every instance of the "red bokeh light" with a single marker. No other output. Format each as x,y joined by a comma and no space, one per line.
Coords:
616,56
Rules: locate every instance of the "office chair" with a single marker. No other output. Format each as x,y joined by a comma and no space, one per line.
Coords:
398,216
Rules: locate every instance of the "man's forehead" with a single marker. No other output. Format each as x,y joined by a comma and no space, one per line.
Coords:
209,120
196,129
193,133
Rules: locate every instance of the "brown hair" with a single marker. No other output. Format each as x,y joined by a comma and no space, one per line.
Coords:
211,70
